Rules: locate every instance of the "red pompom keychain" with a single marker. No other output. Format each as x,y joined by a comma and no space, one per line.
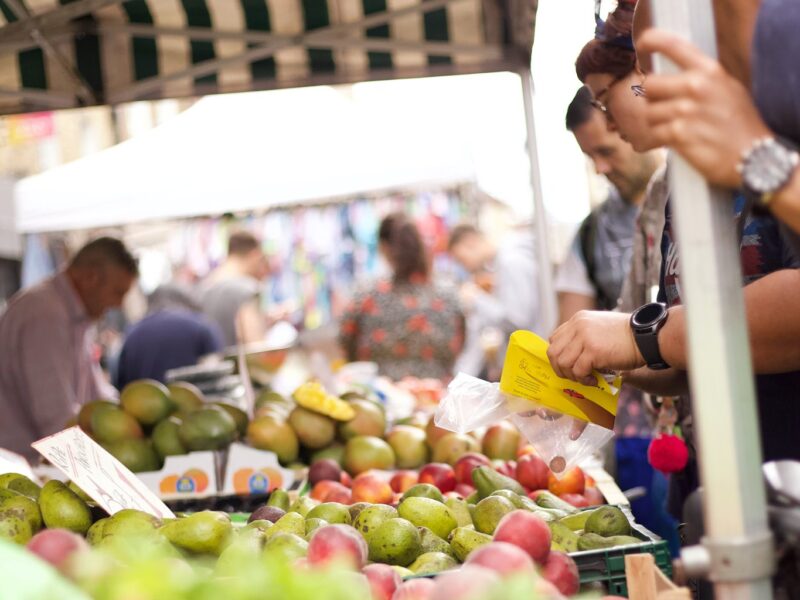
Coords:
668,452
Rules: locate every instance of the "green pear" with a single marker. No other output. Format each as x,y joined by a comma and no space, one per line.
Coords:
372,517
465,540
460,510
302,505
286,547
288,523
430,542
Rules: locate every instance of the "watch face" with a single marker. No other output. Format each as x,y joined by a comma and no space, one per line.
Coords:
769,166
648,314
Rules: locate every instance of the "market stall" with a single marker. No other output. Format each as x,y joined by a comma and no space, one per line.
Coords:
733,530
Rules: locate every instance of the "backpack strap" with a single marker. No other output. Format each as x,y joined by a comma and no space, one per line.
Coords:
587,236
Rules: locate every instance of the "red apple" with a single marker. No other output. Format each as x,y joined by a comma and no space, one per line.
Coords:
532,472
503,467
321,489
562,572
502,558
345,479
402,480
577,500
464,490
470,581
527,531
594,496
414,589
501,441
368,487
440,475
337,543
571,482
464,466
383,580
57,546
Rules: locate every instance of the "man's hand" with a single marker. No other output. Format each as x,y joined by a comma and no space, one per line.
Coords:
593,340
703,113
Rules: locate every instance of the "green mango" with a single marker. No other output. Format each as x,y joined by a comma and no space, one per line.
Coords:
206,532
564,537
424,512
288,523
433,563
489,512
312,525
394,542
279,498
372,517
487,480
303,505
549,500
286,547
332,512
460,510
25,508
62,508
464,540
608,521
19,483
576,521
430,542
15,528
593,541
238,552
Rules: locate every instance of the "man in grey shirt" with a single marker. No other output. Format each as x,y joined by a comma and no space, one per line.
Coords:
230,294
507,300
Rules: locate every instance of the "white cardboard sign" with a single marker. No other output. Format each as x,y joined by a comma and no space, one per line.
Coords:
112,485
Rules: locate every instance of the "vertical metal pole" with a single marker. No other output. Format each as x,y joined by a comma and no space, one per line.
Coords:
738,541
547,294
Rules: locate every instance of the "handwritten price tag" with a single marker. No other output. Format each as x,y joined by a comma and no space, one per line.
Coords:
106,480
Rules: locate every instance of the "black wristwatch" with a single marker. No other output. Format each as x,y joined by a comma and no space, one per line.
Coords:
646,321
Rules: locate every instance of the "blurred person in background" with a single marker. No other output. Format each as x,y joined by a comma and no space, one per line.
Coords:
509,271
409,325
592,274
230,295
48,369
173,334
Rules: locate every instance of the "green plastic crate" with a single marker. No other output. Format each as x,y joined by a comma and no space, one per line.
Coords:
606,566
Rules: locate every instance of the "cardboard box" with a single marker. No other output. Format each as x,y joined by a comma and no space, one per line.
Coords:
192,475
251,471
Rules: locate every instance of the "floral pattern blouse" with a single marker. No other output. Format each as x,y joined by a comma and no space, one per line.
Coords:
408,329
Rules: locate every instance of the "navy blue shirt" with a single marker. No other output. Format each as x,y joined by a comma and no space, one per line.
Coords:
763,250
165,340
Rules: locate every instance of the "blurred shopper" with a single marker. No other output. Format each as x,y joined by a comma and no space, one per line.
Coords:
592,274
173,334
409,325
230,296
513,300
48,370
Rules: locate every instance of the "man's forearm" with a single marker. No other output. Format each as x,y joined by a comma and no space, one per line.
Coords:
773,323
786,203
672,382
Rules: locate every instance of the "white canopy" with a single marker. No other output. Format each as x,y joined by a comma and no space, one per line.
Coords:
262,149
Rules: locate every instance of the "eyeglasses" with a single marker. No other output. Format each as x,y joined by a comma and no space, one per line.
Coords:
638,91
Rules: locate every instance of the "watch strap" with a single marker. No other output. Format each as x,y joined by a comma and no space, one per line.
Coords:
648,346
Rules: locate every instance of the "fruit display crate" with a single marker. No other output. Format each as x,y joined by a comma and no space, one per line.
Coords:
606,566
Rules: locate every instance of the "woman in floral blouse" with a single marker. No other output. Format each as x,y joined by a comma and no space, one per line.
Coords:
408,325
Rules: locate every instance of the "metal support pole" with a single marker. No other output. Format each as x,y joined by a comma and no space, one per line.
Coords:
738,543
547,292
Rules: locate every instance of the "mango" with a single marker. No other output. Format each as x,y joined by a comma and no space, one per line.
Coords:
285,546
433,563
460,510
487,480
312,525
489,511
607,521
62,508
206,532
17,482
593,541
394,542
562,536
424,512
576,521
279,498
288,523
372,517
332,512
302,505
15,528
430,542
465,540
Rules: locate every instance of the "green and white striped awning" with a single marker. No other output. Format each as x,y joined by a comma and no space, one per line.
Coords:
62,54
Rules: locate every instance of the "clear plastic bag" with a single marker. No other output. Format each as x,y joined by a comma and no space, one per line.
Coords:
562,441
